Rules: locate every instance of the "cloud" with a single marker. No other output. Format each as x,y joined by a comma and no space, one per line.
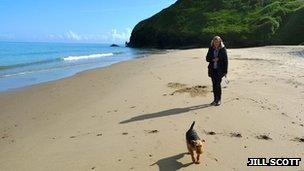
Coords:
73,36
7,36
55,37
121,36
113,36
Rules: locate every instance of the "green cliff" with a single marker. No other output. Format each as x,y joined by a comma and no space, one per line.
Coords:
241,23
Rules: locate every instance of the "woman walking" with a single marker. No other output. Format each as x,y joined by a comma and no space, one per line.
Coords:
217,68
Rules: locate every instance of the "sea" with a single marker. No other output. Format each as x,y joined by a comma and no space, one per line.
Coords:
28,63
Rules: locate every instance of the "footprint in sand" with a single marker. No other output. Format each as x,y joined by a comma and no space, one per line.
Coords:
152,131
283,113
210,133
211,156
4,136
74,136
298,139
235,134
263,137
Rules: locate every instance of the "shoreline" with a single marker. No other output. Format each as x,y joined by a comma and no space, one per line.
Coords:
63,70
60,79
135,58
133,115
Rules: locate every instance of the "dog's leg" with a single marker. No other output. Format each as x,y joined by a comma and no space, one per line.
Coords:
192,156
189,148
191,152
198,159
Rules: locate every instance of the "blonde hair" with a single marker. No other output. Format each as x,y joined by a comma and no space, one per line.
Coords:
218,38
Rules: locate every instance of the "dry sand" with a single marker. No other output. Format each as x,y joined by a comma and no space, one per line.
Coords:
133,115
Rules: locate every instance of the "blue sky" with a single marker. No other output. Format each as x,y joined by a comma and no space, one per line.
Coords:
104,21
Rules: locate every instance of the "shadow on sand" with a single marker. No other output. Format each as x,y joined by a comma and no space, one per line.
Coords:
171,163
169,112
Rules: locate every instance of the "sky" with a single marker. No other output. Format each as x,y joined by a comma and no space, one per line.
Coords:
92,21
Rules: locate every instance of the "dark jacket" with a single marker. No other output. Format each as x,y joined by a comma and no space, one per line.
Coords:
222,64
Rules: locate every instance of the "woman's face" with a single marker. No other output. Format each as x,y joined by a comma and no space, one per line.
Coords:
216,43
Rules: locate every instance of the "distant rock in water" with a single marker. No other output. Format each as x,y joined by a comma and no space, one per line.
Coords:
241,23
126,44
114,45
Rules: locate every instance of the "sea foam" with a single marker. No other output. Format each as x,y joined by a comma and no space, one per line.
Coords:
92,56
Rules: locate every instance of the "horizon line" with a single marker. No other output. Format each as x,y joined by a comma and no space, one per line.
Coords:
8,41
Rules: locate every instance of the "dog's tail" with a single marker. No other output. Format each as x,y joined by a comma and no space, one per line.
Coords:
192,125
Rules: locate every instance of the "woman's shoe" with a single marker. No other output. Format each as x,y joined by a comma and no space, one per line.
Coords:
213,103
217,103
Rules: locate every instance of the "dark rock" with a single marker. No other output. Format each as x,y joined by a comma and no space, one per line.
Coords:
114,45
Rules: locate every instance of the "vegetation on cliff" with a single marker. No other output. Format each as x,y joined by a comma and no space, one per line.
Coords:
241,23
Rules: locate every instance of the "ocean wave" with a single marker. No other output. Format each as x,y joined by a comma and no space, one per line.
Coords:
26,64
30,53
37,70
69,58
92,56
51,68
16,74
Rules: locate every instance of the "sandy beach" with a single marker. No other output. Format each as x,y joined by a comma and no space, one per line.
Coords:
133,115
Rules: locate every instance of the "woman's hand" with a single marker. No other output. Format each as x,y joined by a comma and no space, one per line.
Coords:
216,59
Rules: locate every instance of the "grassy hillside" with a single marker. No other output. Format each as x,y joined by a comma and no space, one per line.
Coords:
241,23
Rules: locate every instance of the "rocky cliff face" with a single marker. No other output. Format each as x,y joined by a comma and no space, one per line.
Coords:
241,23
